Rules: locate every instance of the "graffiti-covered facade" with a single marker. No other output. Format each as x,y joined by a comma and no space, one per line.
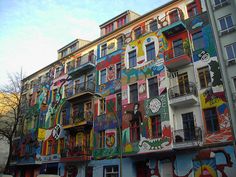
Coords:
145,99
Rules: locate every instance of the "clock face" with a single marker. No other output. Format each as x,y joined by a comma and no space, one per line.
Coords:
155,105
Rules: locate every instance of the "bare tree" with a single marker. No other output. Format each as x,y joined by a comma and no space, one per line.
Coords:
11,111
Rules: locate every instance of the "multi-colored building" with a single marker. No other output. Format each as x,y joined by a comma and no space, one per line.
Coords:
144,99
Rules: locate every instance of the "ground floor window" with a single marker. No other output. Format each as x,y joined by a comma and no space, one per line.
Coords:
111,171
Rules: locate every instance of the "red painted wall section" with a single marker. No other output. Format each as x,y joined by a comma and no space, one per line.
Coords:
183,35
108,61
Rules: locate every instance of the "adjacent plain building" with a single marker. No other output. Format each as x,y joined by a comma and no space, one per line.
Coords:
223,20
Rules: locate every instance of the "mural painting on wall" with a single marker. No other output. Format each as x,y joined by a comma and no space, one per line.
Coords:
112,85
111,138
137,126
206,163
217,100
208,48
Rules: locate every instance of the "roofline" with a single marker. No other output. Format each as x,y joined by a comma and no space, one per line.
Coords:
102,37
123,13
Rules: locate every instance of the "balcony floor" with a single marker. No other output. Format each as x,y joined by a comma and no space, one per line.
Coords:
183,100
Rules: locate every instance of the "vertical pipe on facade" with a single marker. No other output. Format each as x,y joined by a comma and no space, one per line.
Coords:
224,74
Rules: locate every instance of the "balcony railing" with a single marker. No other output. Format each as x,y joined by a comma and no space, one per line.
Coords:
183,136
76,151
83,63
81,116
79,88
177,57
182,90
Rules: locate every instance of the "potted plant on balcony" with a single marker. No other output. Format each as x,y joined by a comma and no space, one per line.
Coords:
186,46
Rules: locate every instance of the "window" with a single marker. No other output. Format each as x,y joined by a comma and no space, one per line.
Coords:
104,50
102,106
156,126
118,102
121,22
231,51
133,93
137,32
118,71
55,145
226,22
64,53
102,139
70,66
153,87
58,72
174,16
204,77
192,9
49,147
198,40
150,49
62,145
178,47
73,48
54,95
153,25
120,42
132,59
109,28
103,76
219,2
234,81
111,171
211,118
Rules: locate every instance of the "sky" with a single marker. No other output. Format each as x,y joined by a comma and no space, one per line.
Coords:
31,31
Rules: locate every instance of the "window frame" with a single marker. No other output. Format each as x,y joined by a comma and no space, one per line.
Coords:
150,94
120,42
101,76
133,58
211,120
152,51
232,46
153,25
227,27
103,50
101,135
118,70
234,83
198,38
206,81
131,100
138,32
156,121
113,172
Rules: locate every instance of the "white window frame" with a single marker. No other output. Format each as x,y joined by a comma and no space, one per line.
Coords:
228,29
128,58
231,45
100,78
112,172
146,59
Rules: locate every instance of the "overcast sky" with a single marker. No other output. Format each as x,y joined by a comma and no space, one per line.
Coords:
31,31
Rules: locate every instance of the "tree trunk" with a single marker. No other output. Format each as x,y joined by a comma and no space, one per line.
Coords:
6,169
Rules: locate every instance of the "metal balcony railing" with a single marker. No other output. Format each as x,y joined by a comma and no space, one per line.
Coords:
79,117
185,136
77,88
76,151
182,90
81,61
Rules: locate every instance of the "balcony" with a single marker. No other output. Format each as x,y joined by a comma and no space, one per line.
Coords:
177,57
77,153
182,95
80,89
79,120
187,138
84,63
174,26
